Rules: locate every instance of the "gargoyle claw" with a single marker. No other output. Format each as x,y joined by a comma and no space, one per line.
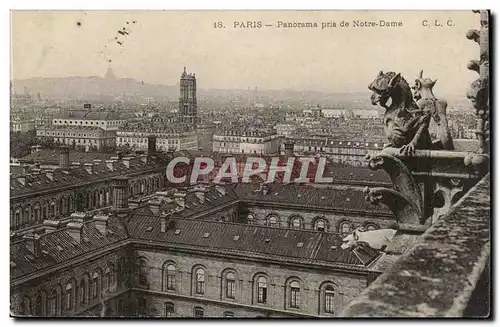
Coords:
407,150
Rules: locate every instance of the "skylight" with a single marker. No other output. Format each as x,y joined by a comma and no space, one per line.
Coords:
206,235
237,237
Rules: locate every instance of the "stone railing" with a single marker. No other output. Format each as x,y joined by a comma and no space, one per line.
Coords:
445,274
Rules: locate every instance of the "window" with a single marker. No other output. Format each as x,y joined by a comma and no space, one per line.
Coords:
109,277
294,295
371,227
228,314
329,299
198,312
262,290
83,287
53,304
68,296
25,307
273,221
39,305
95,285
320,225
170,280
200,281
169,309
345,228
142,266
230,286
296,223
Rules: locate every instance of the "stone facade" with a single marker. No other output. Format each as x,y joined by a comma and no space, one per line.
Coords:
215,301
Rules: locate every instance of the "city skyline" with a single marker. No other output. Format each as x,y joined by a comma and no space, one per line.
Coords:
57,44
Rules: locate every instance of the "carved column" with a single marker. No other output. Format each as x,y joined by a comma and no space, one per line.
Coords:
478,92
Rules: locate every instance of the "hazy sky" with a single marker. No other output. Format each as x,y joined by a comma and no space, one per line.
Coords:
52,44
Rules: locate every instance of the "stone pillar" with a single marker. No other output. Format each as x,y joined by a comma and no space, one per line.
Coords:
478,91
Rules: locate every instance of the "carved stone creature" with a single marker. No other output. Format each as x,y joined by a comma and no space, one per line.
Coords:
405,198
405,129
428,103
376,239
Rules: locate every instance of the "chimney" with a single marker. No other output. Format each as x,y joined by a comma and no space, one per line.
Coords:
64,157
220,189
126,161
75,164
88,167
26,170
199,191
180,199
163,222
50,225
110,164
265,189
50,174
101,223
144,158
119,155
32,242
120,194
151,144
97,161
22,180
75,230
154,206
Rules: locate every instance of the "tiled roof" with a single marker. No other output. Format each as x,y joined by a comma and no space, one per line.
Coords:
349,199
74,176
59,246
51,156
243,238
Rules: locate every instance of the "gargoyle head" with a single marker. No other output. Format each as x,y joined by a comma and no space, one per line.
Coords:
472,93
372,196
375,162
382,87
421,84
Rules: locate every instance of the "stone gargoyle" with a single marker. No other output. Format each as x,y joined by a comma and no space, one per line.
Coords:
406,120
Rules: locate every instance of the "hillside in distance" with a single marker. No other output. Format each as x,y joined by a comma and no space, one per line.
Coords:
95,88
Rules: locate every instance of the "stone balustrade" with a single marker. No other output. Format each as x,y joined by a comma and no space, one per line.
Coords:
445,274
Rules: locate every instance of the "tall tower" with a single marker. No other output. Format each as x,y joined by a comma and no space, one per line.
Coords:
188,108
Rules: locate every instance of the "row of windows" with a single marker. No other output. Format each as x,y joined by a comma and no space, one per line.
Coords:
88,122
75,293
319,224
230,286
139,140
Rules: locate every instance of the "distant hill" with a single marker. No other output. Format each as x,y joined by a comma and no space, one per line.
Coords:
107,89
95,88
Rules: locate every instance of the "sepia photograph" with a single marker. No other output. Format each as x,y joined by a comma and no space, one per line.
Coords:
244,164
